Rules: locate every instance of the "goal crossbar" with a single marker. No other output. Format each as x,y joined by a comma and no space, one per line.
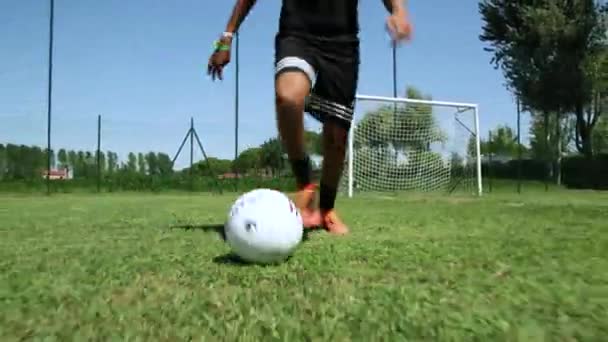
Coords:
415,101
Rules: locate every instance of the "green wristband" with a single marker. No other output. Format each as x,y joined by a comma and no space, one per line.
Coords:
219,46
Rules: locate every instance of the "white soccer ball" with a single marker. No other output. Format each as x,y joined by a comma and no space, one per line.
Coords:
264,226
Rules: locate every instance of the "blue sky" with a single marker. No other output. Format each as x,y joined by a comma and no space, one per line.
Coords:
142,66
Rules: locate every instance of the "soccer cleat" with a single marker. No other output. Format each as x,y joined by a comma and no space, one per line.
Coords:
333,224
304,200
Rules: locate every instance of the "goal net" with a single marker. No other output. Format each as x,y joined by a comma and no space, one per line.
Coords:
400,144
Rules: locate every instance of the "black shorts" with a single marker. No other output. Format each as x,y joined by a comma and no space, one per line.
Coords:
331,64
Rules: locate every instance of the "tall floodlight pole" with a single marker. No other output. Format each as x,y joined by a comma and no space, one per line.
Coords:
236,106
49,99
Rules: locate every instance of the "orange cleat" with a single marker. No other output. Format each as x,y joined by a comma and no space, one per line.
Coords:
333,224
304,200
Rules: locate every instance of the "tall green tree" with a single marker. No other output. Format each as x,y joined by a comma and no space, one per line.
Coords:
131,166
600,136
3,162
73,162
248,160
504,142
164,165
271,155
152,163
314,142
141,164
558,138
62,158
112,162
542,48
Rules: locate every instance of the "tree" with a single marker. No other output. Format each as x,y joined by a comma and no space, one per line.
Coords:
271,155
150,160
112,162
62,158
3,162
131,166
398,136
543,47
560,135
213,166
600,136
248,160
504,142
314,142
141,163
102,162
164,165
73,162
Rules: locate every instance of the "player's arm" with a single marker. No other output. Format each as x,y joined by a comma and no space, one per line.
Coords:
395,6
239,13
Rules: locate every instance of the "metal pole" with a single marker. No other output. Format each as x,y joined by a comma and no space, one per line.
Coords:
518,146
236,109
394,69
191,153
50,98
478,151
490,150
351,155
98,153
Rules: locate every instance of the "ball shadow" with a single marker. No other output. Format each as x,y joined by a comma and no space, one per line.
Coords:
217,228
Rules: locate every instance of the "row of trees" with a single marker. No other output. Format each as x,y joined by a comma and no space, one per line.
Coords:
502,140
20,162
554,56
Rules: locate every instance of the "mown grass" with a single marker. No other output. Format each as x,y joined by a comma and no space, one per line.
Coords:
530,267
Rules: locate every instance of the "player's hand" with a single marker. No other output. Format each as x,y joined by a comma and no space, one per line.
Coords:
219,59
399,26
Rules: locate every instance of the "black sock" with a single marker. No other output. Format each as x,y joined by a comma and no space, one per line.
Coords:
302,171
327,197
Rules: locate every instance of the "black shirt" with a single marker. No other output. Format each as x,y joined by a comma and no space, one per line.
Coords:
323,18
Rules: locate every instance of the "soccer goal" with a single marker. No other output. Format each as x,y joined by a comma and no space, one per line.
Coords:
401,144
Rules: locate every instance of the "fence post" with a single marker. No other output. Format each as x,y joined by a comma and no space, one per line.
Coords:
191,154
490,161
518,146
98,153
50,97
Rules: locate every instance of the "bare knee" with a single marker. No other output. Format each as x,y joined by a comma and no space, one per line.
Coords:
288,99
291,89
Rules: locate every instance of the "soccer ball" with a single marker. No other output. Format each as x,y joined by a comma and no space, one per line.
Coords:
263,226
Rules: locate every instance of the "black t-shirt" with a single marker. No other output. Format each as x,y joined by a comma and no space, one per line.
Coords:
323,18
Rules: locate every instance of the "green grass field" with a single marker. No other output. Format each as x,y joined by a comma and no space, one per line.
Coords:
532,267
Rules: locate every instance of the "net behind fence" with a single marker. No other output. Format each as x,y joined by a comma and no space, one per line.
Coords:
399,144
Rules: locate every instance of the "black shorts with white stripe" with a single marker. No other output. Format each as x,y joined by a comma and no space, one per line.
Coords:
331,64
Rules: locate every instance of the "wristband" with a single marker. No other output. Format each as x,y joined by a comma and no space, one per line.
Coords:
219,46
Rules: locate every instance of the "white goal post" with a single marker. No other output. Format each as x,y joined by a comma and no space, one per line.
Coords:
402,144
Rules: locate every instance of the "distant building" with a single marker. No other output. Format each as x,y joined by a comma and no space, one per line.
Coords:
57,174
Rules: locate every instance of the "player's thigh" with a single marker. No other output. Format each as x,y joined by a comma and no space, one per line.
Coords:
294,70
333,96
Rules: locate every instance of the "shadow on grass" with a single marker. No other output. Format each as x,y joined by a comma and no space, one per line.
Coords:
231,259
219,229
210,228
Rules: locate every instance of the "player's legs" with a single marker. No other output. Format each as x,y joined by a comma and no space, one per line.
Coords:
294,78
332,102
335,136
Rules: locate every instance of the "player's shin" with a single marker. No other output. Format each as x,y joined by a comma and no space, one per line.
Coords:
335,136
